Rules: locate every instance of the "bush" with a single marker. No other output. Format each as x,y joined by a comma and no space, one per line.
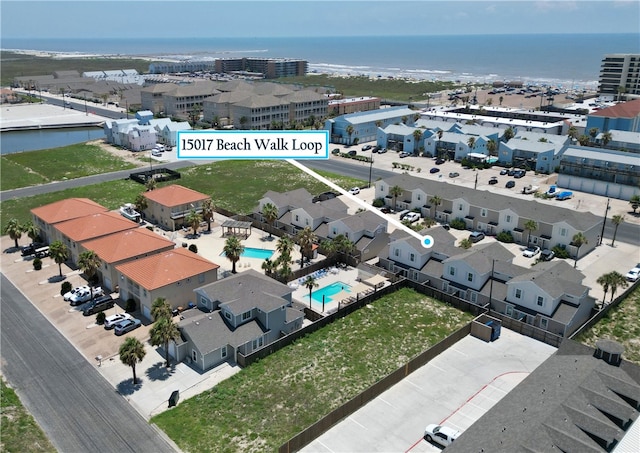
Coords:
378,203
560,252
65,288
458,224
130,306
505,236
37,264
193,248
100,317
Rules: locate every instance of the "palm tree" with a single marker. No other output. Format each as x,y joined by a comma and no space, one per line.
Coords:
193,219
471,142
141,203
617,281
584,140
310,283
306,238
435,202
634,201
395,192
593,132
285,246
605,281
343,245
530,225
32,231
270,214
150,184
328,247
573,132
59,253
349,130
417,135
439,134
160,308
617,220
492,147
163,331
578,241
208,210
233,249
606,138
268,266
132,352
89,263
14,230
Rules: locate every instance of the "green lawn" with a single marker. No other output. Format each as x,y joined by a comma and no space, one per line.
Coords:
270,401
48,165
20,433
620,324
233,185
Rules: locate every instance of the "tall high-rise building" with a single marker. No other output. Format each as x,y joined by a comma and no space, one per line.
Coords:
620,70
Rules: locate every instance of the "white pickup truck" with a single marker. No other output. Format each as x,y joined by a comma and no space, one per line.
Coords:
530,189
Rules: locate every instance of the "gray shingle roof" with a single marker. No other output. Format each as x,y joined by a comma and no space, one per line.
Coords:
555,278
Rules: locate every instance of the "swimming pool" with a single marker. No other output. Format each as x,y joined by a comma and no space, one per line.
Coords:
328,291
251,252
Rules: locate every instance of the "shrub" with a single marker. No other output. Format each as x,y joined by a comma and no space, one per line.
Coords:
130,306
458,224
193,248
505,236
65,288
378,203
100,317
37,264
560,252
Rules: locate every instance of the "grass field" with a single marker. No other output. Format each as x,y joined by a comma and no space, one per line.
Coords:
268,402
48,165
233,185
20,432
620,324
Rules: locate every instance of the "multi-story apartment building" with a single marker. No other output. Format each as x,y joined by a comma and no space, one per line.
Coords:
620,76
269,68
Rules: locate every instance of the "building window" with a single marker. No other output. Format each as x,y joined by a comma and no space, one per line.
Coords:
508,219
396,252
509,310
227,315
297,218
518,293
452,270
483,212
246,315
201,278
459,207
223,351
419,197
473,297
412,257
194,355
563,231
544,323
469,277
540,301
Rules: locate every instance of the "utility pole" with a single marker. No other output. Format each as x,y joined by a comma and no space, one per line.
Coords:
604,221
475,185
370,170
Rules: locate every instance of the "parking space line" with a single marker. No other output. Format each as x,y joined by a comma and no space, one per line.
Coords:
328,449
359,424
437,367
386,402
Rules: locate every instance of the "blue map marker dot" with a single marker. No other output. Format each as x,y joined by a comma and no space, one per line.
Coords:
427,242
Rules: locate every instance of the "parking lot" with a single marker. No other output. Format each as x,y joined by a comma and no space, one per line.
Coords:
455,389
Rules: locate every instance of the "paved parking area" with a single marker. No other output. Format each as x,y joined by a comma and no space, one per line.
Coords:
456,388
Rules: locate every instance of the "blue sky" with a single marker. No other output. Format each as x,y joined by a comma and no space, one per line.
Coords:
263,18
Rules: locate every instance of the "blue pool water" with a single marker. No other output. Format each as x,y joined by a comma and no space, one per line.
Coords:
328,291
251,252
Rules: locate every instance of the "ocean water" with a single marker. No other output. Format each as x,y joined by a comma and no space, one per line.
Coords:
572,61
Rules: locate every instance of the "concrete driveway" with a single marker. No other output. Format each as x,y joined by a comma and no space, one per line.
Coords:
456,388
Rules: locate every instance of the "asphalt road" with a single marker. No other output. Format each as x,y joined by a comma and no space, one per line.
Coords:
76,407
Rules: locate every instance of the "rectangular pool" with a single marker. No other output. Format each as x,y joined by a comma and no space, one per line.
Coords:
252,252
328,291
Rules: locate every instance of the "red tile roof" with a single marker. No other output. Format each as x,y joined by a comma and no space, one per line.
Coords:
68,209
127,244
629,109
163,269
94,226
174,195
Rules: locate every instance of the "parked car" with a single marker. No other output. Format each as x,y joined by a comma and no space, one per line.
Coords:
530,252
547,255
633,274
454,174
402,214
503,172
354,191
335,151
412,217
111,321
67,295
84,295
564,195
102,303
366,147
382,150
385,210
442,435
476,236
519,174
352,153
404,154
126,326
434,170
510,184
439,161
30,249
493,180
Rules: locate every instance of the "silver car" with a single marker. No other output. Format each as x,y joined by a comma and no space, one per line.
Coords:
127,326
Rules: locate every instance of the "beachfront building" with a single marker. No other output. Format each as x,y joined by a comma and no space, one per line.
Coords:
606,172
620,76
237,315
268,68
624,117
172,275
492,213
172,67
352,105
168,206
124,76
363,126
47,216
619,140
533,151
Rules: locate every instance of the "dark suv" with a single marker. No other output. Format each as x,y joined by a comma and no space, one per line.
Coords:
102,303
